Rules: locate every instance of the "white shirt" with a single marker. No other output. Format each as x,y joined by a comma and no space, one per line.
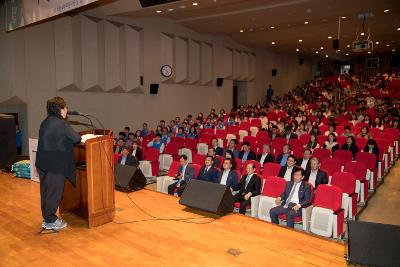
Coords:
224,177
134,153
295,197
288,174
263,156
182,175
123,160
313,177
304,163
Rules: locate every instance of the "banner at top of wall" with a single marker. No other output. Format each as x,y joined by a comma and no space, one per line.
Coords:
24,12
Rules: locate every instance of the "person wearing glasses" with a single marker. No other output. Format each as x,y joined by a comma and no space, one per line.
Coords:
286,172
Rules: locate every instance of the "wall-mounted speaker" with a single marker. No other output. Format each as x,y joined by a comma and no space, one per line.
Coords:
274,72
154,88
220,82
301,61
335,44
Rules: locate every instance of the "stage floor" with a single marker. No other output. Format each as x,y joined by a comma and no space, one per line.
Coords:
150,243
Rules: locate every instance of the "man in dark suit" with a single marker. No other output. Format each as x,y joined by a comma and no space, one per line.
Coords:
246,153
55,160
127,159
266,156
286,152
286,172
185,173
314,175
274,133
296,196
289,134
218,151
232,147
211,153
228,176
207,172
304,162
249,186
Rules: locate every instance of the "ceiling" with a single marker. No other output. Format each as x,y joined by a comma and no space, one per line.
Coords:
287,17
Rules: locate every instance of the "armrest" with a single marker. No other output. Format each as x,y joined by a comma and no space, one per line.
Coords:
306,217
255,201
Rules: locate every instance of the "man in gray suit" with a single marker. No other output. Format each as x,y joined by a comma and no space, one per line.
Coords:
185,173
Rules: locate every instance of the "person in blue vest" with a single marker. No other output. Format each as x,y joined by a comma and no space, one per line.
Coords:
164,136
157,143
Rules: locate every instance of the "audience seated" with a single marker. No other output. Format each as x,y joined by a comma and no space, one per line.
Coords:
282,158
126,158
265,156
350,146
304,162
314,175
331,143
297,195
137,151
312,143
211,153
232,147
208,172
228,175
157,143
246,153
185,173
229,155
286,171
218,150
249,186
120,145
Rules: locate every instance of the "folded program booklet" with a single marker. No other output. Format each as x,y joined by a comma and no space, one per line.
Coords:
86,137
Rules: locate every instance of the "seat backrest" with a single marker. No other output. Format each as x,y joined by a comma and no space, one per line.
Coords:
199,159
358,168
255,122
278,142
345,180
393,131
152,154
178,141
173,169
304,138
172,149
343,155
331,165
295,142
191,143
262,134
273,186
361,142
233,130
245,125
221,161
271,169
328,197
238,164
221,134
341,140
196,168
321,153
368,158
251,139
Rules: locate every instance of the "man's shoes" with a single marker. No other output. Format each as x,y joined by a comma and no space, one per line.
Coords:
57,225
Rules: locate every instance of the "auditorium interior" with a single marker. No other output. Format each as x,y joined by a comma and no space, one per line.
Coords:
213,132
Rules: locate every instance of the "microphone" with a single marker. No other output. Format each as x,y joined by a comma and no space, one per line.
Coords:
77,113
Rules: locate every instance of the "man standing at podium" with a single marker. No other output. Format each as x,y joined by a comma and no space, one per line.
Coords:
55,160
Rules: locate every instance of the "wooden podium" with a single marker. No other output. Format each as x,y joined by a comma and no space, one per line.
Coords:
93,197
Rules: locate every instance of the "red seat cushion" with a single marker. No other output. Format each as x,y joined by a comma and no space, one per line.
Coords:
297,219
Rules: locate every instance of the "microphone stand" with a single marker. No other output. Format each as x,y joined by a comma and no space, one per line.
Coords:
101,124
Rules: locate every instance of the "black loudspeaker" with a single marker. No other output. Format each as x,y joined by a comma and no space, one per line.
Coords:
154,88
373,244
335,44
128,178
211,197
7,140
220,81
301,61
274,72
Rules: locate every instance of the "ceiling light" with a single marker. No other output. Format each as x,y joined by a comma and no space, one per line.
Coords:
195,4
338,50
343,17
297,50
369,52
170,9
316,52
273,42
348,45
398,29
326,56
322,48
241,30
272,27
388,45
377,43
386,10
300,40
329,37
347,54
393,49
158,11
305,22
362,34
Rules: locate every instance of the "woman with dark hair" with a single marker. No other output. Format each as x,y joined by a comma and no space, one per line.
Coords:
192,132
315,130
372,147
55,160
351,146
364,133
331,143
312,143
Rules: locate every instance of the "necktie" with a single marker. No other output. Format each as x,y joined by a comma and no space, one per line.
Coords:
290,196
247,180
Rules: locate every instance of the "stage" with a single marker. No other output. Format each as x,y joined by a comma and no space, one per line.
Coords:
233,240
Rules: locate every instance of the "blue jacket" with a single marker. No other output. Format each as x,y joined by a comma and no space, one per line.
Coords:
232,178
210,176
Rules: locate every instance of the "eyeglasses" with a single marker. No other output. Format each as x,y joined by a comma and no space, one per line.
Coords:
290,160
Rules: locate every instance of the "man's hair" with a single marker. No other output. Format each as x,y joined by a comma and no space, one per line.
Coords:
130,134
159,135
307,149
293,157
211,157
127,128
347,127
121,139
122,133
298,169
234,140
55,105
246,143
125,147
316,159
213,149
183,157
